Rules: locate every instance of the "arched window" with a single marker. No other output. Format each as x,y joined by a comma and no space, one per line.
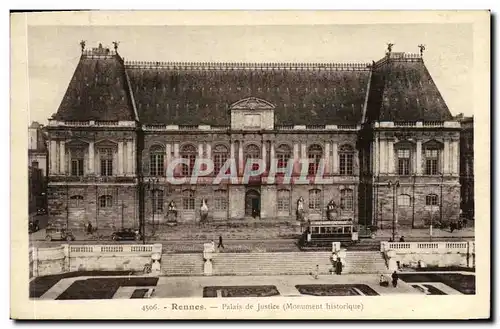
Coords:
315,153
220,200
404,200
105,201
283,154
188,152
431,200
188,200
157,200
346,199
252,152
315,200
346,160
284,200
76,161
156,161
220,157
76,201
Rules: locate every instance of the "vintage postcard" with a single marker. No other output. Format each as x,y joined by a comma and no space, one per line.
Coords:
250,165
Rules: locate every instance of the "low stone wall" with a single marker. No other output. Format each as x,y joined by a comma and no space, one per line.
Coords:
66,258
440,254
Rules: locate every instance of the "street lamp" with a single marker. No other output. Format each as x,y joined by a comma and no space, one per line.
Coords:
151,186
394,186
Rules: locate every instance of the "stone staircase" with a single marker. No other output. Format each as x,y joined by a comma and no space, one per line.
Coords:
182,264
365,262
271,263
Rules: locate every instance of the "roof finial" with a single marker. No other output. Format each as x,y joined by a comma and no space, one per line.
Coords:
389,47
115,44
82,44
422,48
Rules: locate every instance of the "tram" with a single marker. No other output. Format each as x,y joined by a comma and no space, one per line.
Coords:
322,233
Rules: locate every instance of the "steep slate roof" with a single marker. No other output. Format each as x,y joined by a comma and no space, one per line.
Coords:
97,91
202,93
401,89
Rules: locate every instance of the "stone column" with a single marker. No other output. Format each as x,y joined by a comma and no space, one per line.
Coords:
264,153
456,157
375,156
418,158
62,158
296,158
326,158
130,158
134,157
272,156
208,148
391,159
120,158
335,158
241,164
446,158
91,158
383,157
232,152
178,169
303,151
53,157
168,155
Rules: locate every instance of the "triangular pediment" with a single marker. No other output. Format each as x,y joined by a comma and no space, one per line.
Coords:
252,103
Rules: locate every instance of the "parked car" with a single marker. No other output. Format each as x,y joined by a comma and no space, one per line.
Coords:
58,233
126,234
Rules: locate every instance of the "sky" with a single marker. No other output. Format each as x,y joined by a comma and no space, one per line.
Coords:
54,51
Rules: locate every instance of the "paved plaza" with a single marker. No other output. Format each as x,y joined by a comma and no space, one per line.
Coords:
130,286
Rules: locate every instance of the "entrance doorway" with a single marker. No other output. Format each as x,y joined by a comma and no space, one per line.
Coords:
252,203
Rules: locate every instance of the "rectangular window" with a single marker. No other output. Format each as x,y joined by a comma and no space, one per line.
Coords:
346,164
157,165
220,200
77,167
106,201
346,200
158,200
219,161
283,201
283,160
431,162
187,170
188,200
106,157
315,200
403,162
431,200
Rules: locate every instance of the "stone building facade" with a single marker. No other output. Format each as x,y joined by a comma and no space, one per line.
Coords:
121,124
37,166
467,165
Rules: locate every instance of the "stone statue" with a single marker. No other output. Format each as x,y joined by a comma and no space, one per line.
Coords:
204,211
172,213
82,44
389,47
422,48
300,209
115,45
331,210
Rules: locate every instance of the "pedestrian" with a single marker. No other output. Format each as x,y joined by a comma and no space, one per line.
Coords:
339,267
89,228
402,239
395,278
317,272
220,245
452,226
